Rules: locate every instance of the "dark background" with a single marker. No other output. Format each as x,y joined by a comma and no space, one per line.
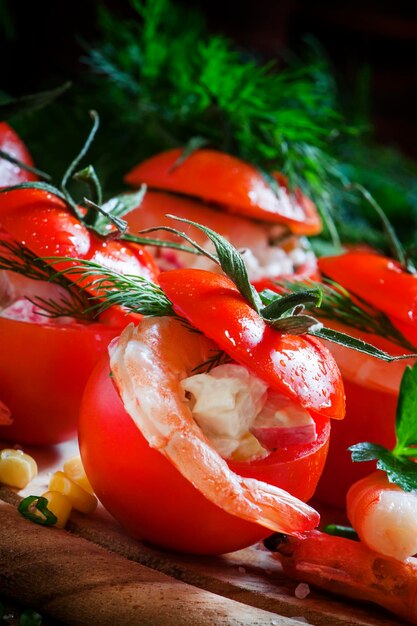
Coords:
368,43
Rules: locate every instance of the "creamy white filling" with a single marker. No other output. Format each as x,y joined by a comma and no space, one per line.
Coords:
229,401
262,259
224,403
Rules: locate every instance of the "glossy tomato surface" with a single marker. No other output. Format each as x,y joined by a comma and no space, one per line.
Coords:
153,501
10,173
371,385
235,185
43,372
371,388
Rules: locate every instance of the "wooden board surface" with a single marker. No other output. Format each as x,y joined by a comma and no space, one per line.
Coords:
249,585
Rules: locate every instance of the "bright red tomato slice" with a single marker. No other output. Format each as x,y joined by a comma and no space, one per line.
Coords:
298,366
238,187
11,143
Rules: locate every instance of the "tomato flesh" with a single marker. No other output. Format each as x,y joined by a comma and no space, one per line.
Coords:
43,372
153,501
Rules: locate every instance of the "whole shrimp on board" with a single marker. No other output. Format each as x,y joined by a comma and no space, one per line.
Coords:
350,569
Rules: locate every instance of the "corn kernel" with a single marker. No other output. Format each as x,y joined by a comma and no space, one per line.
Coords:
60,506
17,469
79,498
74,469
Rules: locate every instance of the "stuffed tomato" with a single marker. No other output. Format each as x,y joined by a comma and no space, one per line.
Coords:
231,197
209,421
49,343
385,289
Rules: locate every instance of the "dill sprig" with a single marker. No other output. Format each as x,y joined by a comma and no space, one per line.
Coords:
284,119
340,306
73,302
133,293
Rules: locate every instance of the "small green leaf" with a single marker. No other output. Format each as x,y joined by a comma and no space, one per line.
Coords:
406,418
296,324
26,104
281,304
366,451
341,531
400,471
88,176
120,224
194,144
40,504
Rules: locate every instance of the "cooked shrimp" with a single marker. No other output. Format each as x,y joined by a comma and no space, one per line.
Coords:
349,568
5,415
384,516
148,363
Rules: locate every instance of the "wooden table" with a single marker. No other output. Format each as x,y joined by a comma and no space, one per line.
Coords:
245,587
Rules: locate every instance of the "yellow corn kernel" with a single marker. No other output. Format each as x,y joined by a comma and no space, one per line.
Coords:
79,498
17,469
74,469
60,506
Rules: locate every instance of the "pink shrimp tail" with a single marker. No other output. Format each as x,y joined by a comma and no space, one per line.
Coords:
350,569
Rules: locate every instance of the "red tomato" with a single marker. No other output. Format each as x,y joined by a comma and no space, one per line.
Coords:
11,174
143,490
44,367
371,385
42,222
153,501
43,372
238,187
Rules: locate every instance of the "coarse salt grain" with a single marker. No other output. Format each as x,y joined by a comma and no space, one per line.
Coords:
241,570
301,591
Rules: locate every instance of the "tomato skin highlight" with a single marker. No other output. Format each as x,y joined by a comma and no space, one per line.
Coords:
300,367
381,282
151,499
235,185
11,143
371,386
43,372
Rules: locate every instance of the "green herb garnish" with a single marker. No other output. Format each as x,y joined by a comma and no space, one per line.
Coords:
397,463
28,507
341,531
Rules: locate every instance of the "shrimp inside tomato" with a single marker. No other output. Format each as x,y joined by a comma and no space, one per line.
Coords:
191,473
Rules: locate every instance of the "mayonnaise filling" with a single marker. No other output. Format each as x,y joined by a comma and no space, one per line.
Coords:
229,402
263,259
